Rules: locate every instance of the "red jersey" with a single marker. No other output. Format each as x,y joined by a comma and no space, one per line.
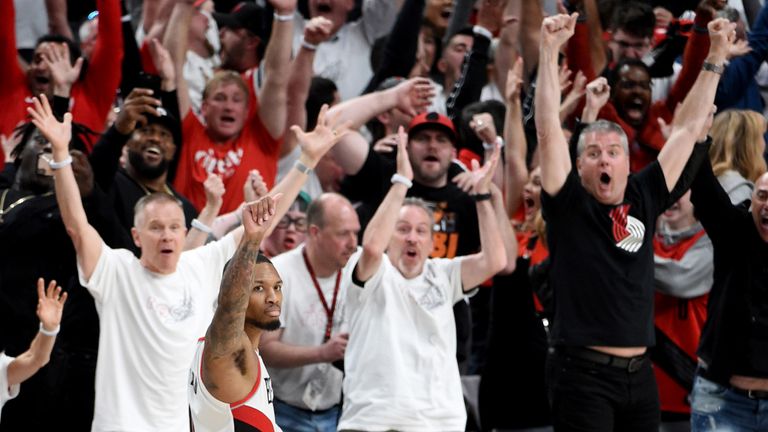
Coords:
91,98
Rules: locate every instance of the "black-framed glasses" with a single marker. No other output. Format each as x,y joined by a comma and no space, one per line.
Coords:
300,223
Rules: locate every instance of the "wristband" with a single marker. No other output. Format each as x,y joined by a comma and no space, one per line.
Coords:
307,45
397,178
490,146
201,226
302,168
284,18
59,165
53,332
481,197
482,31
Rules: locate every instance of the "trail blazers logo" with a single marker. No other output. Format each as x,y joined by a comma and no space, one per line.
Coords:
628,232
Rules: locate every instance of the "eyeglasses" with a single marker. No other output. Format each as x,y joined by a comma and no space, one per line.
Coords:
300,223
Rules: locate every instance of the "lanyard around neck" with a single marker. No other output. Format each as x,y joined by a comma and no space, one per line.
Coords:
328,310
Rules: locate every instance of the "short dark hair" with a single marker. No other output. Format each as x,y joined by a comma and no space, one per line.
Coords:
74,50
635,18
614,74
321,92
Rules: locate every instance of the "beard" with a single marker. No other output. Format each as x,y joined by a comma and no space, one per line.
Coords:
147,171
265,325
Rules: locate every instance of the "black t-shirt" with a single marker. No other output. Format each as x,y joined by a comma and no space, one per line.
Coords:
456,226
602,261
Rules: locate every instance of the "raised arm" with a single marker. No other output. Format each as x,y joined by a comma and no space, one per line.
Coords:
316,31
176,40
214,191
87,241
381,227
103,76
273,97
553,148
230,368
492,257
50,304
516,145
692,115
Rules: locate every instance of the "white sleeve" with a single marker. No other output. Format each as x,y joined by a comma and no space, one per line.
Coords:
7,392
101,283
357,293
378,18
451,267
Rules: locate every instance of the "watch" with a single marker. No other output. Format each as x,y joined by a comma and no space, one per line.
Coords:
718,69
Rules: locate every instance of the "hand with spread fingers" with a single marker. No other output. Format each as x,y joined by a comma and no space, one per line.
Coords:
139,103
164,64
414,95
50,304
57,133
315,144
63,73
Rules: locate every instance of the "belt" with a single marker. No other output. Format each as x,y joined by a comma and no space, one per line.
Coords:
752,394
630,364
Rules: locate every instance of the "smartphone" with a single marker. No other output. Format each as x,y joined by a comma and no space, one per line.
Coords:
149,81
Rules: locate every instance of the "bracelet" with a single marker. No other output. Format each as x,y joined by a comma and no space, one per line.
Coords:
201,226
59,165
718,69
284,18
490,146
301,167
482,31
397,178
53,332
307,45
481,197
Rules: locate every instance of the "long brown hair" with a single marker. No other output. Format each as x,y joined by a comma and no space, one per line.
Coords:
737,143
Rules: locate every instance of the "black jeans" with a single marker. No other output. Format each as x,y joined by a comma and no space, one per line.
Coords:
592,397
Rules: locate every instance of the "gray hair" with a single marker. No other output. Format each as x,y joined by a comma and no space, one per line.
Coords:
143,202
602,126
420,203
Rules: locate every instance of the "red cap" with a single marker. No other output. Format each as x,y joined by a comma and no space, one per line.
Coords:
432,120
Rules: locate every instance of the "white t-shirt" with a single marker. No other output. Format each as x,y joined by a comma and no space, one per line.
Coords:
345,57
212,415
7,392
149,325
316,386
401,370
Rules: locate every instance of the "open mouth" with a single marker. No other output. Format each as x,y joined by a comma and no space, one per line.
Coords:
227,119
431,159
166,251
411,253
324,8
635,108
605,179
42,80
446,12
289,243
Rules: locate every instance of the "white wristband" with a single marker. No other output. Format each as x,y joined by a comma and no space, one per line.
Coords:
201,226
307,45
482,31
53,332
397,178
284,18
59,165
490,146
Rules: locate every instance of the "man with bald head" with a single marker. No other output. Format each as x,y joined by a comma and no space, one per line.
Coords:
315,280
732,379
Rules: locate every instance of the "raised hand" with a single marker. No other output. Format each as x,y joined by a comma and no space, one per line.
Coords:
137,105
283,7
254,186
564,77
58,133
63,73
557,29
316,143
598,93
722,35
318,30
214,191
404,167
490,14
568,105
257,216
484,127
164,64
414,95
739,48
484,174
50,304
514,82
387,144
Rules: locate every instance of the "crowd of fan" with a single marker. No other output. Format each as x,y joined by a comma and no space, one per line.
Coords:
412,215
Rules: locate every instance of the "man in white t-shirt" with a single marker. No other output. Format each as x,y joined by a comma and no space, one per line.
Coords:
152,309
228,387
300,354
15,370
401,370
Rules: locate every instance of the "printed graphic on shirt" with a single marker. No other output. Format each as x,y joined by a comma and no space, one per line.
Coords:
225,167
445,236
172,313
628,232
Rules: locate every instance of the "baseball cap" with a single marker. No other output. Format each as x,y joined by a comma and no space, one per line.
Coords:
432,120
247,15
168,121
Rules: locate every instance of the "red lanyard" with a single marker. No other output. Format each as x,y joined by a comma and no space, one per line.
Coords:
328,310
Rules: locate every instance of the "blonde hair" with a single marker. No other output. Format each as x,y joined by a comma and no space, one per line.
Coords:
737,138
225,77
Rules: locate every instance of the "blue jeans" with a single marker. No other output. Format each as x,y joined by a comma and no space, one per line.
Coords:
715,408
293,419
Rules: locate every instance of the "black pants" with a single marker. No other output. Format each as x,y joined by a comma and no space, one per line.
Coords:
591,397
